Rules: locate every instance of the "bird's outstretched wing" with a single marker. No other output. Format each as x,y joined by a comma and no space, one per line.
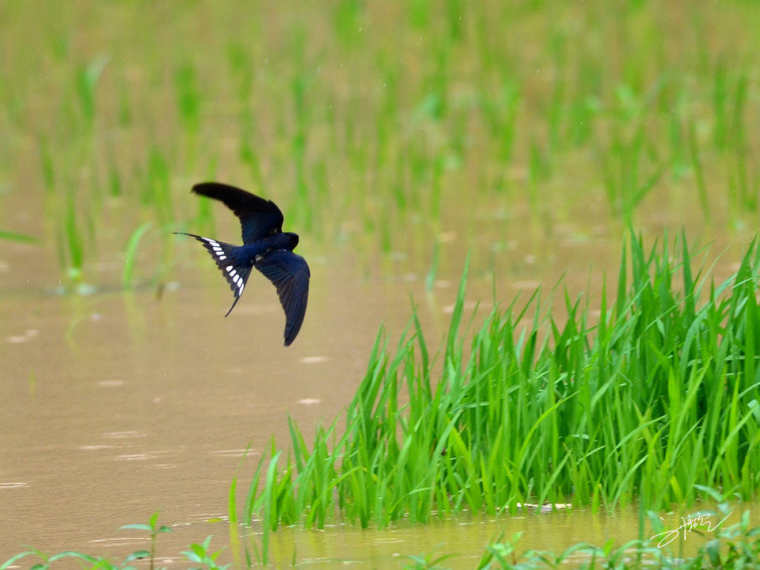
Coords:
235,272
290,275
258,217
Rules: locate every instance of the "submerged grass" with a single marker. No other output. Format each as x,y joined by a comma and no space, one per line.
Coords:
657,398
734,546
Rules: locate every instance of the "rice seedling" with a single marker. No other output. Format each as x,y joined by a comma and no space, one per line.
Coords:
87,77
419,13
153,529
187,96
47,560
74,244
556,109
114,180
130,254
585,104
678,160
658,397
46,162
500,116
17,237
242,67
125,110
720,105
199,553
620,167
427,561
157,186
433,271
250,157
346,18
747,196
696,164
540,168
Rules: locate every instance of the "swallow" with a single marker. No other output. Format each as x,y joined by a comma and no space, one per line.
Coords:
265,247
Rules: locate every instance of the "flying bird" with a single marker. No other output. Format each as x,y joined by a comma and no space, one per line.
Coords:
265,247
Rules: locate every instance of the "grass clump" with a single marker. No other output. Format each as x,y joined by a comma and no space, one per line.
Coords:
658,397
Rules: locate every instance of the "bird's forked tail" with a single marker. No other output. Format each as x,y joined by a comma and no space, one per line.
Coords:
235,270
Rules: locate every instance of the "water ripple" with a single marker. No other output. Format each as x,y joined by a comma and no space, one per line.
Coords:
14,484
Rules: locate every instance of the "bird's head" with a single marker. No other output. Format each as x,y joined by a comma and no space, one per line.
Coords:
292,239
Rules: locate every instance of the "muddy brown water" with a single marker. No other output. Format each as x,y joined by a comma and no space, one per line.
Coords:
116,404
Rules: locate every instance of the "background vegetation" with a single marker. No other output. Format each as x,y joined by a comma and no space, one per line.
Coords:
375,124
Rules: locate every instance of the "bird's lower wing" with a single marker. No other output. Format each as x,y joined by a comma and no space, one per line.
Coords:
289,273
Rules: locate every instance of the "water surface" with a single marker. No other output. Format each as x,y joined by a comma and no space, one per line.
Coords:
389,158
